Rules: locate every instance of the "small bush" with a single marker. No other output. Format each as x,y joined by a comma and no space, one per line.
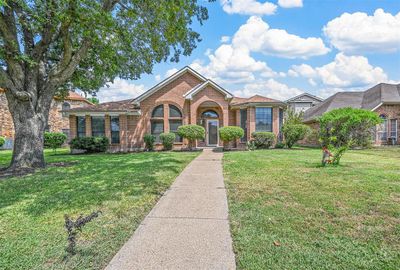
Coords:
90,144
250,145
54,140
230,133
191,133
294,133
149,141
2,141
280,145
263,140
167,140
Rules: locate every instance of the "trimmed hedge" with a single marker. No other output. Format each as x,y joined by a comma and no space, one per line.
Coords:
90,144
167,140
230,133
263,140
54,140
294,133
2,141
149,141
191,133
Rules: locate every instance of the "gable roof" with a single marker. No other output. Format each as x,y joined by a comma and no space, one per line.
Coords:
293,99
256,99
124,106
370,99
192,92
167,81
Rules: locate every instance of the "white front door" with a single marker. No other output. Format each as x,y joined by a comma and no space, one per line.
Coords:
212,132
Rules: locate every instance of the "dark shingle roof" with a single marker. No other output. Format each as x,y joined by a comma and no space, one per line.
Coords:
113,106
380,94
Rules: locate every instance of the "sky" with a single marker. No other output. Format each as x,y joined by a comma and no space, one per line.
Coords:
282,48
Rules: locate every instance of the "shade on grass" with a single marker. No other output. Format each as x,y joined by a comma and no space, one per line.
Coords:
287,212
123,186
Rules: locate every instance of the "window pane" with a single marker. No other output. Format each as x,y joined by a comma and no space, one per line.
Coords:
264,119
210,114
173,127
393,128
98,126
157,127
383,129
243,124
174,111
81,126
158,111
114,129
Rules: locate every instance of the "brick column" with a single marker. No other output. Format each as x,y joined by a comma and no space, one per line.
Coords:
107,126
275,121
166,118
88,125
73,131
225,114
251,121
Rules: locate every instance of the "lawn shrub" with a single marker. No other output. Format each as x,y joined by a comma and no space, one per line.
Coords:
293,133
263,139
167,140
230,133
191,133
54,140
90,144
2,141
343,128
149,141
279,145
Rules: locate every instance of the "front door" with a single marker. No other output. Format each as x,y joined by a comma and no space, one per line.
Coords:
212,132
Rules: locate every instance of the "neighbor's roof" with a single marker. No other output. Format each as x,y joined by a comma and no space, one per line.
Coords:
370,99
256,99
304,94
113,106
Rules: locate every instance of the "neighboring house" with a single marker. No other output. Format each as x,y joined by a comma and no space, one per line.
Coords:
184,98
303,102
58,122
384,99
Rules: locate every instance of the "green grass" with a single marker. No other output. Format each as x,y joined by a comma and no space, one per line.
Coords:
123,186
345,217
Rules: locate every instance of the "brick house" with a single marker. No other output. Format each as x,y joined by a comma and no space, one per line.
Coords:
184,98
58,122
384,99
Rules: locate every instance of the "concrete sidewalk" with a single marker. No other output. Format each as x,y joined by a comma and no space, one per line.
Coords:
188,228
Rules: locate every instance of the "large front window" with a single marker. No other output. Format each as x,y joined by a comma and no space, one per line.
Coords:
263,119
81,126
98,126
157,127
114,121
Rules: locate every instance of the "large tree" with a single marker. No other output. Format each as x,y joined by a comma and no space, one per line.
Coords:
50,46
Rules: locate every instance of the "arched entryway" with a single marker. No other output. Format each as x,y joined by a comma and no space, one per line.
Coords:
210,116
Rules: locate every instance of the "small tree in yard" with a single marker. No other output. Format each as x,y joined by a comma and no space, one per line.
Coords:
191,133
292,133
54,140
344,128
229,134
49,47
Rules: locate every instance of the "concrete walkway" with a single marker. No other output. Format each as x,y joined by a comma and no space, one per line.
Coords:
188,228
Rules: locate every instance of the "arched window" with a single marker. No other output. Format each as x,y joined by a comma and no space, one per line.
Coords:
175,121
65,107
157,124
174,111
382,128
158,111
209,114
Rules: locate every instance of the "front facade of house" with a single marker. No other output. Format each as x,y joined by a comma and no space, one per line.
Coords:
58,122
184,98
383,99
303,102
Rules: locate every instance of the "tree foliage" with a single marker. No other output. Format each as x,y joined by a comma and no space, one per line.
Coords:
263,139
149,141
54,140
293,133
343,128
167,139
230,133
191,133
2,141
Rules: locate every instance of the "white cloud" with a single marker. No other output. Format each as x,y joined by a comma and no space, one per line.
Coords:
225,39
170,72
290,3
257,36
120,90
358,32
344,72
157,77
248,7
270,88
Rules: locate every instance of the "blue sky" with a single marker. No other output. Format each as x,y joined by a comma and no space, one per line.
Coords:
280,48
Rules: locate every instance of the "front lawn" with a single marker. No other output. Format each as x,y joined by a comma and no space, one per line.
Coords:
123,186
286,212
